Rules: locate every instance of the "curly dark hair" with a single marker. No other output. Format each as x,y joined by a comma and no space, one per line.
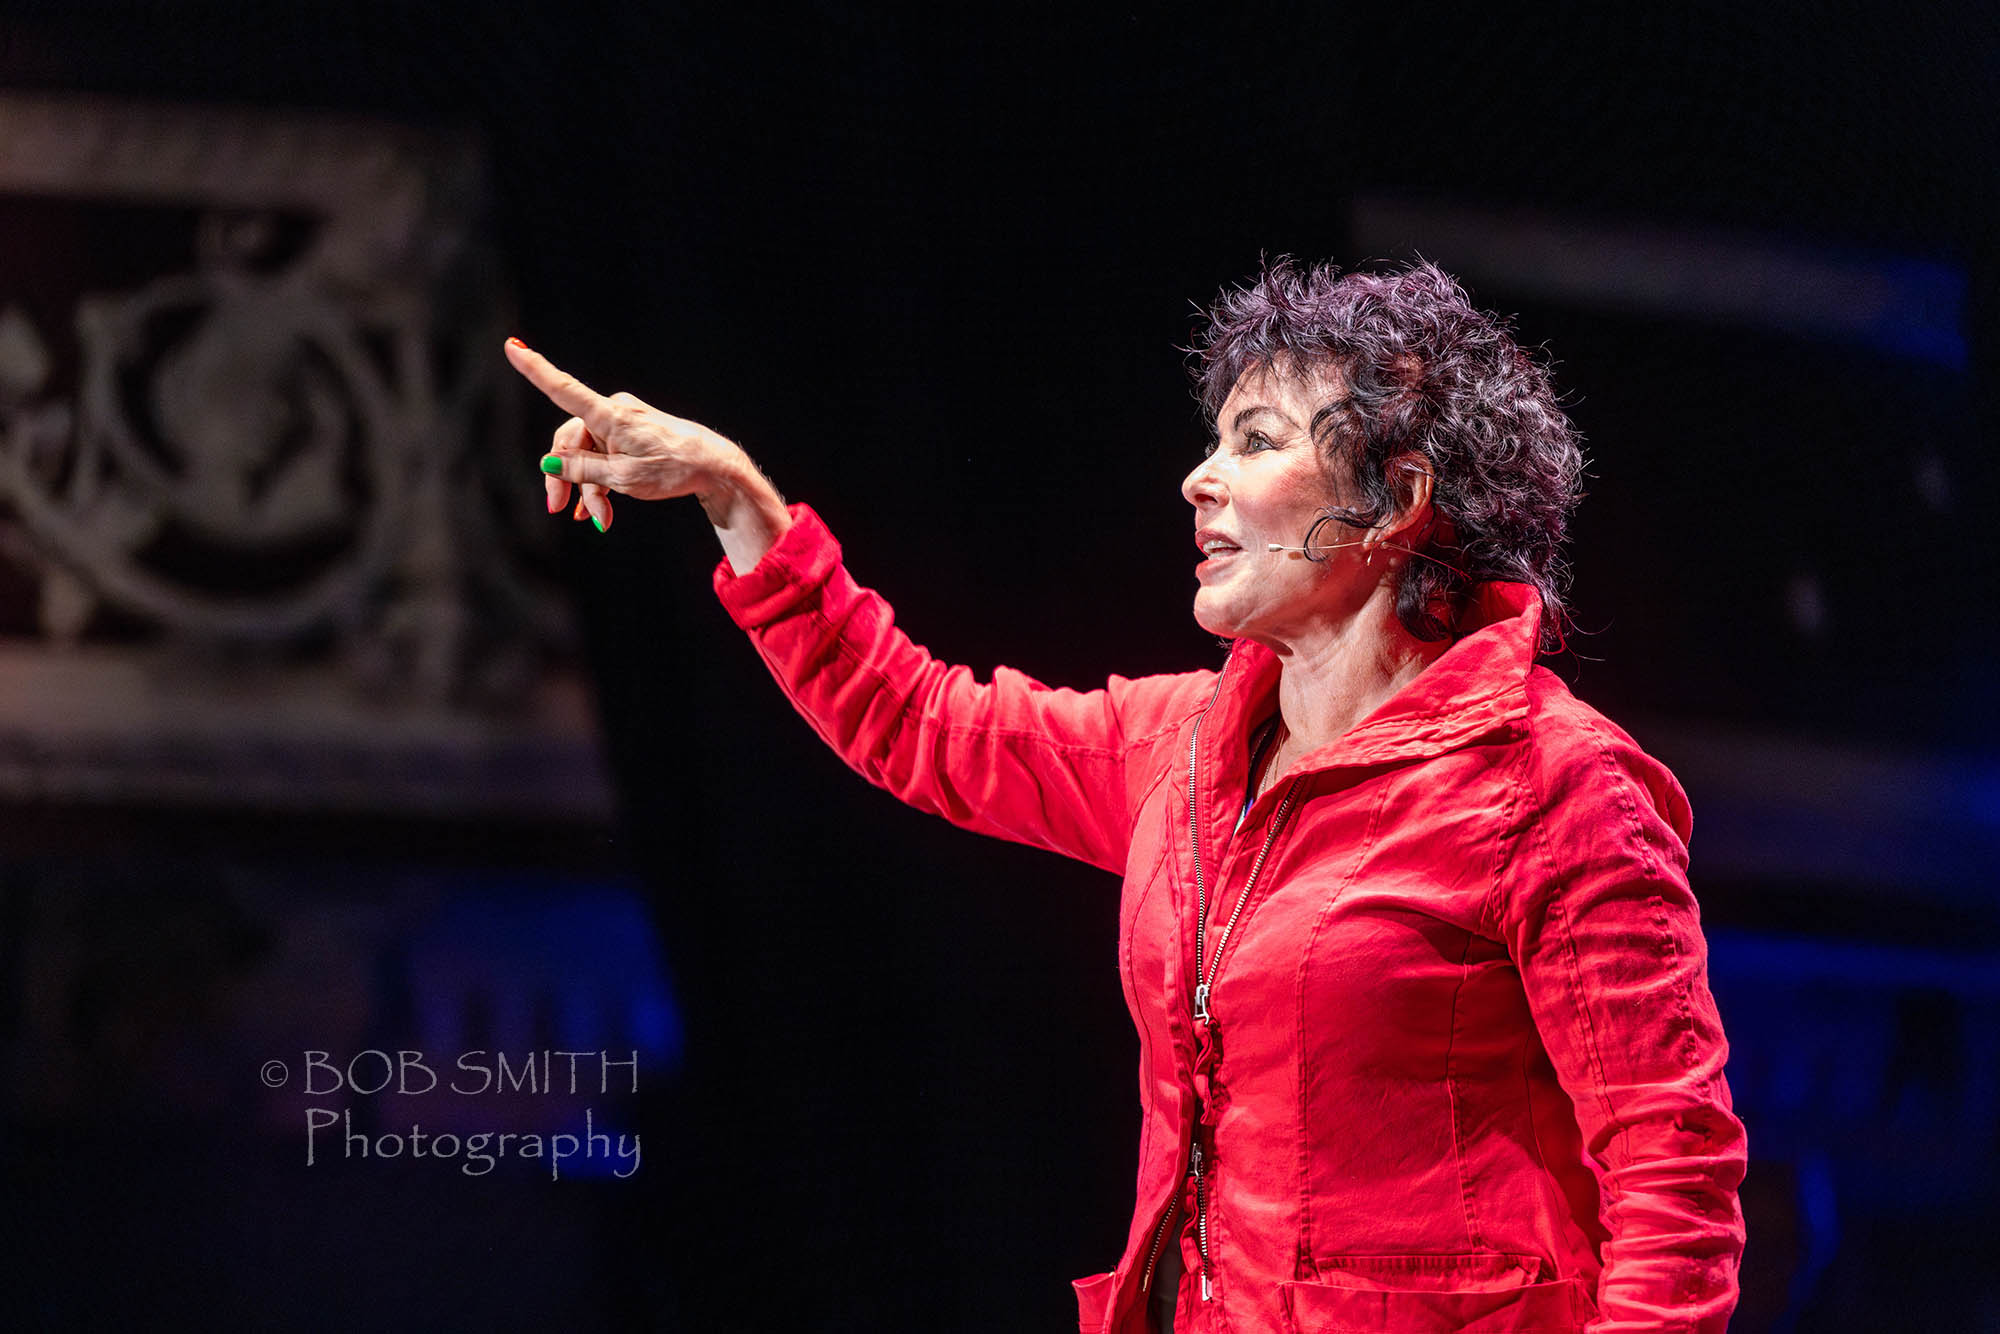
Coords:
1424,372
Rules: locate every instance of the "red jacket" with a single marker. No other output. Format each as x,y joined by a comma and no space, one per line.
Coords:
1461,1069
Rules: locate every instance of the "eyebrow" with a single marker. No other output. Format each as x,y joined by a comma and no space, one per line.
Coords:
1250,412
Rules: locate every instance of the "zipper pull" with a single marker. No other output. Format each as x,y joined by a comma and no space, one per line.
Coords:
1194,1160
1201,1003
1206,1291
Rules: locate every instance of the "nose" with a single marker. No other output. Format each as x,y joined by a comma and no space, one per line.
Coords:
1204,484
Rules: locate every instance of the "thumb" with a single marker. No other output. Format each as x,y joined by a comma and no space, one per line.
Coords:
582,466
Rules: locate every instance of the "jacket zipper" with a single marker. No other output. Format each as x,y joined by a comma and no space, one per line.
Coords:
1201,993
1159,1235
1204,982
1194,846
1277,823
1201,1219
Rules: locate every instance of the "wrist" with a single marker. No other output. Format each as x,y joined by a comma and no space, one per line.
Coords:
746,511
740,496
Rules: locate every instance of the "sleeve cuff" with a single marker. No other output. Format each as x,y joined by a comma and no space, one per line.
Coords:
797,564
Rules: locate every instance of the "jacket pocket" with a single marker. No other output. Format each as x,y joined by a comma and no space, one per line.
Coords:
1560,1307
1468,1271
1093,1303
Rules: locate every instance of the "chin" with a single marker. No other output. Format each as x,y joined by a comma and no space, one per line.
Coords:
1213,623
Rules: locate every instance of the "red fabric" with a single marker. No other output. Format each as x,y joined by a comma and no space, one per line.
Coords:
1464,1070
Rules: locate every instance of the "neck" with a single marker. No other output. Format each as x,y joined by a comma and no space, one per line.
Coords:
1334,675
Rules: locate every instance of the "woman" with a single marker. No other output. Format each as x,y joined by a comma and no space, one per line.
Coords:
1426,1042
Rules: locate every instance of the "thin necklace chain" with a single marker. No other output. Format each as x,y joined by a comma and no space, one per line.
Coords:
1264,762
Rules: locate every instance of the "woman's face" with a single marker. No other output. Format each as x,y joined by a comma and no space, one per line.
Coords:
1263,483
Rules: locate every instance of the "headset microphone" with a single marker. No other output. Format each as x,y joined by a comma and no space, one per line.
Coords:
1312,546
1328,546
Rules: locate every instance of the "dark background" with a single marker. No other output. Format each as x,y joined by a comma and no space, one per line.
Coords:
932,271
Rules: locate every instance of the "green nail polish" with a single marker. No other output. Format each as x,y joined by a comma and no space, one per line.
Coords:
552,464
597,522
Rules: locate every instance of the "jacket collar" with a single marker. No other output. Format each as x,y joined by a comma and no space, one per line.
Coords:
1476,686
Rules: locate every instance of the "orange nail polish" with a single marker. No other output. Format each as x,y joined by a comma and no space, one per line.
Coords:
579,512
515,342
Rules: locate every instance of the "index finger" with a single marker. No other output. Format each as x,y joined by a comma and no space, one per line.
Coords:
559,386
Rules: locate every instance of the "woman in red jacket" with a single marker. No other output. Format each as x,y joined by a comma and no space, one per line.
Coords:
1426,1042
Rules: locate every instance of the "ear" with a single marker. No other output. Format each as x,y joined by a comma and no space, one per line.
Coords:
1411,481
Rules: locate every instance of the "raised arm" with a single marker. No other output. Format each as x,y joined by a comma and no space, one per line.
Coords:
1054,768
1057,769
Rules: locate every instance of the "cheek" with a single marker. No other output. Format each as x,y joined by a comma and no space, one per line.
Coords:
1299,497
1308,486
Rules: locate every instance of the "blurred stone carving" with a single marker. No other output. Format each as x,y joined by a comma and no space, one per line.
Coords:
260,502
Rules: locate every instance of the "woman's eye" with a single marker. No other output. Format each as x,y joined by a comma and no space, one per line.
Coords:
1252,442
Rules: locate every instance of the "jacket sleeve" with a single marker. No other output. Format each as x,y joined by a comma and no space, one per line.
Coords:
1608,939
1054,768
